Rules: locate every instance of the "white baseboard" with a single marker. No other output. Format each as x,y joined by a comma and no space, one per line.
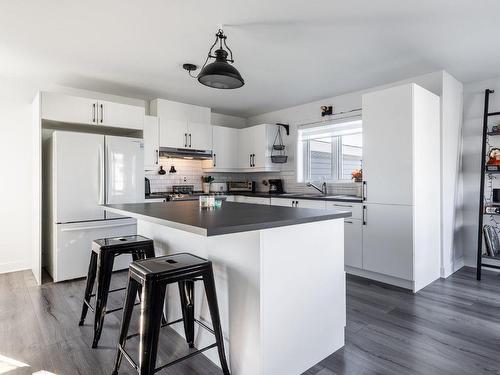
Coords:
452,268
14,266
406,284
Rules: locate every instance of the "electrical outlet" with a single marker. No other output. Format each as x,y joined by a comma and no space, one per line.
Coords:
184,179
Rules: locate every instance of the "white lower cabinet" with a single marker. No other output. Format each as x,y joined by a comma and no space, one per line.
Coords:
353,243
388,239
252,200
302,203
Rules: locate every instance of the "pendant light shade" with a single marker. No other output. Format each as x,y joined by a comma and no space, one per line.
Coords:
219,74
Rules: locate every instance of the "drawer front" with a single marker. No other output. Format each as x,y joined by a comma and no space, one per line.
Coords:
353,243
309,203
355,208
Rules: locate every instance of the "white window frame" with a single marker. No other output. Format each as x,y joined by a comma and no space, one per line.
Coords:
333,129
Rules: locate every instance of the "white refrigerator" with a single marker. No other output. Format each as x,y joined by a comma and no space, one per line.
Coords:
84,171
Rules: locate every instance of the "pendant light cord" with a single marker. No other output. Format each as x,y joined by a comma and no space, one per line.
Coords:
220,35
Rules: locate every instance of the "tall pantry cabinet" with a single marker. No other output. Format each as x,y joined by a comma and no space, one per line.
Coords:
401,185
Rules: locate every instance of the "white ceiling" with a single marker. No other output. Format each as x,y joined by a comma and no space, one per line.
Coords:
288,51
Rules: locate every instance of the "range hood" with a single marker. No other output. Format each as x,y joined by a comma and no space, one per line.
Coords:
185,153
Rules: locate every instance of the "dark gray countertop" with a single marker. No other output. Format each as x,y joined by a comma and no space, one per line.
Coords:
230,218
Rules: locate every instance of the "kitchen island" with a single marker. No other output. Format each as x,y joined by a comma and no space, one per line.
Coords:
279,273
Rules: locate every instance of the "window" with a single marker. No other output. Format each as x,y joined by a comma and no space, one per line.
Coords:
329,152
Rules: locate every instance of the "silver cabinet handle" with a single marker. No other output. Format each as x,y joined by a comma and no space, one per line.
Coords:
185,140
253,159
215,160
157,156
250,159
348,222
102,113
93,113
190,140
342,205
364,190
365,211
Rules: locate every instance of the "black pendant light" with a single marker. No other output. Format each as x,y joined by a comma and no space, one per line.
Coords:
218,74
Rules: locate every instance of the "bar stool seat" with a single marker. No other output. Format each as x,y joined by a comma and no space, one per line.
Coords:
104,251
154,275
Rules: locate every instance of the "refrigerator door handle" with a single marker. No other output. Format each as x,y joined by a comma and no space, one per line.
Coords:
91,227
101,174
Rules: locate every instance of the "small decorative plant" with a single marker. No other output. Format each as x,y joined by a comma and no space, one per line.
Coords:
357,175
206,183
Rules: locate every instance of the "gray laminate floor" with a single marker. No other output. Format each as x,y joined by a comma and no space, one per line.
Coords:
450,327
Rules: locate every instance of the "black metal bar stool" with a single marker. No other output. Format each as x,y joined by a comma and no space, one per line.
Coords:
154,275
102,258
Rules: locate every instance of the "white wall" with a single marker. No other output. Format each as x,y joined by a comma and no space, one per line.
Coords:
471,158
16,188
450,91
221,119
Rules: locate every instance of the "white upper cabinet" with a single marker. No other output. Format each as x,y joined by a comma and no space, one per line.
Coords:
387,145
151,136
254,148
225,150
200,135
183,125
120,115
73,109
173,133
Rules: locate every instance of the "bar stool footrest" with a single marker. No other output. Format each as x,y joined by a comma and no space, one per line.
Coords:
171,363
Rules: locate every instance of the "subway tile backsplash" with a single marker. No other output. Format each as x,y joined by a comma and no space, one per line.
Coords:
189,172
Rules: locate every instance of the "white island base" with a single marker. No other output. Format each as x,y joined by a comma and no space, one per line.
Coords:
281,293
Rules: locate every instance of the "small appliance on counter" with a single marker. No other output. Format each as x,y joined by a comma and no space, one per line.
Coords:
147,187
241,186
276,186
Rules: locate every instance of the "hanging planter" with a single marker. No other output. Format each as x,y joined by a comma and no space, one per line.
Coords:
278,154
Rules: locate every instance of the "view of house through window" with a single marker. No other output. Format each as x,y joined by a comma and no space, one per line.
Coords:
330,152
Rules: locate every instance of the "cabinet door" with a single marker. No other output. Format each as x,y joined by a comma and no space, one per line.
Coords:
151,136
225,148
120,115
353,243
200,135
173,133
66,108
283,202
388,240
387,145
245,147
260,146
309,203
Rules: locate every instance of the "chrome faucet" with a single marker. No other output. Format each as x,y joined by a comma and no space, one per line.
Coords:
322,190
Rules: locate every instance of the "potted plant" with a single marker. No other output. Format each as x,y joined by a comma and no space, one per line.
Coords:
357,175
206,180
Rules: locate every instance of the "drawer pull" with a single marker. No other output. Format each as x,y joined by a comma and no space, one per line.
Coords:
342,205
348,222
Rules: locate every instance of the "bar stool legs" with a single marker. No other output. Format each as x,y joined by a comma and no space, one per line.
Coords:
132,288
104,272
89,287
186,290
209,282
154,275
